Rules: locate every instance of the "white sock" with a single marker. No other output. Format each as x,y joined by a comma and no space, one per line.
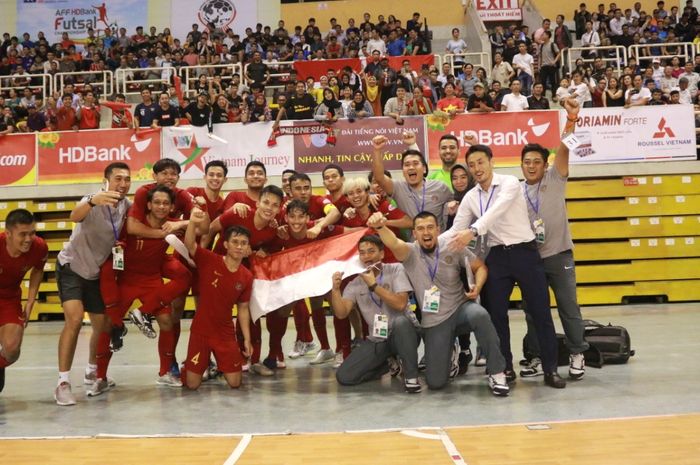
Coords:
91,368
63,377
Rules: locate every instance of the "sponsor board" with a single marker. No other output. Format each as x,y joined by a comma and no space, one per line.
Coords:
17,160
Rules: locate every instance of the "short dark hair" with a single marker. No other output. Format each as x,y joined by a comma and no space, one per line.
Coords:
479,148
299,177
372,239
332,166
535,148
297,204
236,230
274,190
288,170
448,137
18,216
255,163
164,189
165,163
370,176
117,165
214,164
425,214
415,153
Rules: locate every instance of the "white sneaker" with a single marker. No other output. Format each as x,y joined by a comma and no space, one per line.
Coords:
499,385
98,387
308,347
298,350
245,368
90,378
142,323
395,368
169,380
577,366
63,394
323,356
338,360
533,369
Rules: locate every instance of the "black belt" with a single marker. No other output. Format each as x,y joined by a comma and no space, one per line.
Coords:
520,245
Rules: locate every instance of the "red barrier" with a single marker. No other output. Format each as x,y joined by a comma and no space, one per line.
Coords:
317,68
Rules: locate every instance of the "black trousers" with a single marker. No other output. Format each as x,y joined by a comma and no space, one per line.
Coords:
521,264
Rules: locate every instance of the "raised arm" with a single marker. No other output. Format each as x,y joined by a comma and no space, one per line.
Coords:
378,143
341,307
561,161
399,248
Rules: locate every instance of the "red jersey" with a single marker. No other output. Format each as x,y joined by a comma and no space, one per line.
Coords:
183,202
317,206
66,118
219,290
258,237
89,117
214,209
239,197
341,204
121,116
390,212
13,269
143,257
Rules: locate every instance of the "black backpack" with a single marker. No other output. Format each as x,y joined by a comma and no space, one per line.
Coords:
608,344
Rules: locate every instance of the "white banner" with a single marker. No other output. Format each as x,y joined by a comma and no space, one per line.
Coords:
622,135
225,14
499,10
235,143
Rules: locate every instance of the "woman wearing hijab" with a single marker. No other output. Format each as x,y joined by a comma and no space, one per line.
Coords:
360,107
373,94
330,109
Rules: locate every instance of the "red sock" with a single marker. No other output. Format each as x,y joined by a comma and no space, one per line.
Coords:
166,350
343,338
103,355
277,326
319,317
116,315
256,341
301,322
4,363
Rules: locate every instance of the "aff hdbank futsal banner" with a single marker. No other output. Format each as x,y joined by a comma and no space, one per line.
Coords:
236,144
75,17
80,157
353,147
317,68
504,132
499,10
225,14
17,160
619,135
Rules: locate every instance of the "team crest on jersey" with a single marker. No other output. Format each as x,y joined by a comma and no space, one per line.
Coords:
434,198
239,286
449,260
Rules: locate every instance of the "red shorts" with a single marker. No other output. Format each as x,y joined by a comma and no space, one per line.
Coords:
226,352
11,312
132,290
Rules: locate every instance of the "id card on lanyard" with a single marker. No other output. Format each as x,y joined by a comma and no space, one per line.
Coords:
538,224
431,297
117,250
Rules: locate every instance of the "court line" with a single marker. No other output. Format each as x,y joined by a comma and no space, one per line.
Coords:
238,451
456,457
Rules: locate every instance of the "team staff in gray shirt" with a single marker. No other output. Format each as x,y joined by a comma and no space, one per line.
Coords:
99,218
448,311
544,190
414,194
381,295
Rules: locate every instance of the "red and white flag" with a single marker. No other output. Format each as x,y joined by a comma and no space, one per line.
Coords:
300,272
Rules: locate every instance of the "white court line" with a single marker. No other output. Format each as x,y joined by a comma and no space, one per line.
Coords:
451,449
238,451
418,434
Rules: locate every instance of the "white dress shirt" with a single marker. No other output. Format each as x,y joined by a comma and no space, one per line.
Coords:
504,217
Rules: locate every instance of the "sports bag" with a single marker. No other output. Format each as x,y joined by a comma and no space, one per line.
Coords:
612,342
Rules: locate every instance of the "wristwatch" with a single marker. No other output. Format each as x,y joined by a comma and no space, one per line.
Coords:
90,202
474,231
372,287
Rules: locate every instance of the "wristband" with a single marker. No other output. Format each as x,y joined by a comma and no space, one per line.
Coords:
572,120
372,287
90,202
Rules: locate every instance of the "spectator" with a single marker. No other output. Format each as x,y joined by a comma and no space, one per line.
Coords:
498,41
468,80
35,119
657,97
480,101
257,71
198,112
562,36
550,54
637,95
523,64
376,43
579,89
456,44
675,97
562,91
613,96
538,100
301,105
598,93
373,94
66,115
165,115
450,103
581,17
667,81
419,105
360,107
330,109
684,94
88,113
514,101
502,71
258,110
397,107
396,45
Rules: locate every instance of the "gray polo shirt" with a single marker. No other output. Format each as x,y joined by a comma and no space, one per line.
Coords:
419,266
92,239
393,278
546,200
432,199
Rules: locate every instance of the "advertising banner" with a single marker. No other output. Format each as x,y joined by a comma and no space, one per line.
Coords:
619,135
504,132
236,144
317,68
499,10
353,147
70,157
225,14
75,17
17,160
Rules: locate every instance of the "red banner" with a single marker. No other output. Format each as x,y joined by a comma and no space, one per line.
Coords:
353,148
317,68
81,157
504,132
17,160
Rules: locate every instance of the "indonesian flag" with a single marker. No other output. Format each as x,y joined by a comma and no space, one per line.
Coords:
303,271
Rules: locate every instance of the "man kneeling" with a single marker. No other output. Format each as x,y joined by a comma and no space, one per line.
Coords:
223,282
381,294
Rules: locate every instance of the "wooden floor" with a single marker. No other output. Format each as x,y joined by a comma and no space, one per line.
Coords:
639,441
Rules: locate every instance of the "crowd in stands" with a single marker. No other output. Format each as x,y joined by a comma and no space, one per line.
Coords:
526,66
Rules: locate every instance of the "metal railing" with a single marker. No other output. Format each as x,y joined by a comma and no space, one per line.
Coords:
101,81
35,81
190,74
129,81
280,73
642,52
478,59
612,55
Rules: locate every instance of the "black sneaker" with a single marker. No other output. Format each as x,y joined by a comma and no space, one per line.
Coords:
554,380
421,364
2,378
412,385
271,363
510,376
454,364
465,358
533,369
116,340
